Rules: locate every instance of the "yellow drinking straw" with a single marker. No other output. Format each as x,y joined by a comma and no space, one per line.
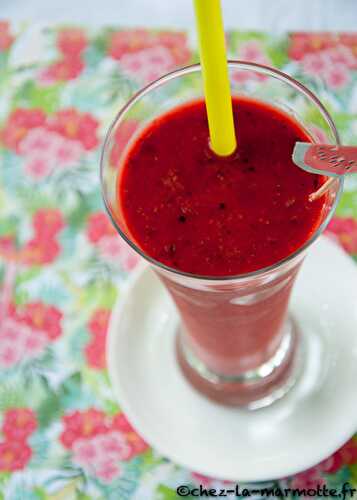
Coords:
215,76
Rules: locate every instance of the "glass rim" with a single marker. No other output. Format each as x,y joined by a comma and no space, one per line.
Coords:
272,72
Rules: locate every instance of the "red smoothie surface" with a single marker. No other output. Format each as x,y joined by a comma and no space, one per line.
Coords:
207,215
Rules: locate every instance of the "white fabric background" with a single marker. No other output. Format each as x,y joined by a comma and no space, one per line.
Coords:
271,15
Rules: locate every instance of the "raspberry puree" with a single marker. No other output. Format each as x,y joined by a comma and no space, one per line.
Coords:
206,215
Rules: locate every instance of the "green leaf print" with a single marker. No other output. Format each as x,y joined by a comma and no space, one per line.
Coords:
30,95
165,493
12,395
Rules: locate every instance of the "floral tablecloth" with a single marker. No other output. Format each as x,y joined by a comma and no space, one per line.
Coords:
62,434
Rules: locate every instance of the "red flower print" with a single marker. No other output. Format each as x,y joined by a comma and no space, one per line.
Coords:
39,251
42,317
310,478
47,222
82,424
177,43
121,423
346,455
19,424
95,349
71,42
43,248
305,43
75,125
136,443
344,229
6,39
98,323
206,481
341,48
126,42
95,353
14,456
18,123
121,139
99,226
7,247
62,70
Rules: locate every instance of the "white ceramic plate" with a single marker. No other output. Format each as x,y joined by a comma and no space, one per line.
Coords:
317,416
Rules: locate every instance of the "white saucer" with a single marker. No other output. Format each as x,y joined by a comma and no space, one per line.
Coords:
317,416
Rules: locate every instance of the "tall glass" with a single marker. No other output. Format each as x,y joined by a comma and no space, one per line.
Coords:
236,342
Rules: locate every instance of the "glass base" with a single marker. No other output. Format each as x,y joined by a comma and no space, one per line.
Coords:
252,389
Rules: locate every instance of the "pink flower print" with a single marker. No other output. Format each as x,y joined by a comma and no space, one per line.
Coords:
99,455
148,64
315,64
11,342
37,139
10,353
337,76
341,55
39,165
67,152
19,342
10,330
108,471
110,248
34,343
252,51
85,452
46,149
129,259
113,445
